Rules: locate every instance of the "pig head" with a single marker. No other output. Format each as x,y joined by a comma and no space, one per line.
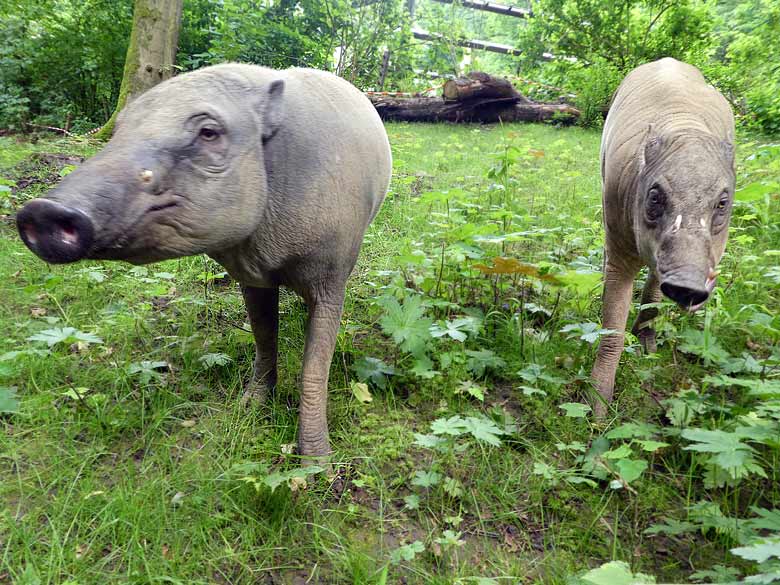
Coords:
183,174
682,211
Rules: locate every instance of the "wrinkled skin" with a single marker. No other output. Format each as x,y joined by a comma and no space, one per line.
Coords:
667,159
275,174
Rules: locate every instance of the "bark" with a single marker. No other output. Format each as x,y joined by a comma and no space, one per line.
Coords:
151,54
479,85
485,110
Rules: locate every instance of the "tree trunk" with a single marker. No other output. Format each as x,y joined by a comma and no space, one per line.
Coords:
487,111
151,54
479,85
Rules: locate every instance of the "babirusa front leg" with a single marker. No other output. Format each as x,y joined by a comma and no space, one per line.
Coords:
618,286
324,318
262,307
643,328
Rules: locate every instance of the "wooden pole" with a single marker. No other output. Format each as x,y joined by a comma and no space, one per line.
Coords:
494,7
474,44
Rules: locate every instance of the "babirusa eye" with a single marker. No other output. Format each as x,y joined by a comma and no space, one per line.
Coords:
208,134
656,201
655,196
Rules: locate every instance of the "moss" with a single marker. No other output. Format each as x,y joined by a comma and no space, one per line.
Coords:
132,83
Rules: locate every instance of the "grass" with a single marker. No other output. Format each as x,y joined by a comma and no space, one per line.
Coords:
131,460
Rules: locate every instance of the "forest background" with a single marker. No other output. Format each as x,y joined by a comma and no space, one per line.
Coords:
61,60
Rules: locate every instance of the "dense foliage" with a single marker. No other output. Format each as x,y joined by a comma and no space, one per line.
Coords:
733,42
61,61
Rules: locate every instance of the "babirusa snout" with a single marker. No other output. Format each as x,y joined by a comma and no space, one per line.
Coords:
686,294
56,233
685,267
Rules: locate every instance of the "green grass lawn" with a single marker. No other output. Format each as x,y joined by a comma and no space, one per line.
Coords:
130,460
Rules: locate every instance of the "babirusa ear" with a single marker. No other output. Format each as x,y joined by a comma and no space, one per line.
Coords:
654,144
274,109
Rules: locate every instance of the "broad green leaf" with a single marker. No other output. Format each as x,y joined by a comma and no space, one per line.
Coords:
767,520
360,392
615,573
373,370
705,346
633,430
406,323
454,426
449,329
450,538
453,487
8,400
729,452
8,369
484,359
717,441
76,393
620,453
582,281
672,527
573,446
472,389
275,479
484,429
406,552
530,391
546,471
717,574
652,446
760,551
755,387
578,479
535,374
575,409
148,370
426,478
211,360
588,332
429,441
630,469
422,367
64,335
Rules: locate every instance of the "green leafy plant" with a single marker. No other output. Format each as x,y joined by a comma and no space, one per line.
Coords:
66,335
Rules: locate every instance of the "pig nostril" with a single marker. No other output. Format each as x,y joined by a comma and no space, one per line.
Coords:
30,234
683,295
69,235
55,232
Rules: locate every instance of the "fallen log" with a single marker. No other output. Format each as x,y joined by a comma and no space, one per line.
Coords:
479,85
437,109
